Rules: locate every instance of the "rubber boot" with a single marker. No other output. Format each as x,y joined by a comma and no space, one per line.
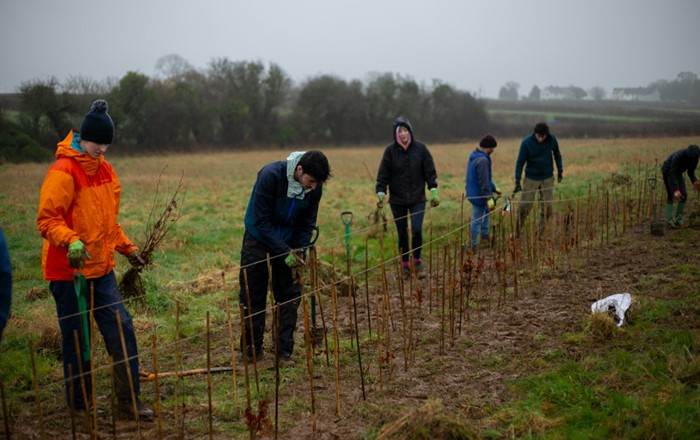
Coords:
670,223
678,219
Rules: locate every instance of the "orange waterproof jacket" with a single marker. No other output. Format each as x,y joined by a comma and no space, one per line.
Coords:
80,200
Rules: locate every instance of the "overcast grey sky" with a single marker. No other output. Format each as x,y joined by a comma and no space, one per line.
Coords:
473,45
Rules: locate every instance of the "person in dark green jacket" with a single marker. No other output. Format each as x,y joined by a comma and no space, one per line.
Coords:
279,222
538,152
682,161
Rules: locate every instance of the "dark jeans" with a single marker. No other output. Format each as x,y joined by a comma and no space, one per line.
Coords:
400,213
669,190
286,293
108,301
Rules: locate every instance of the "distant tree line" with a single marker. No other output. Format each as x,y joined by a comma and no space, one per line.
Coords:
684,89
241,104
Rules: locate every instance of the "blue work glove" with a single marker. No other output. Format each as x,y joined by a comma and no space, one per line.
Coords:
380,202
434,199
77,254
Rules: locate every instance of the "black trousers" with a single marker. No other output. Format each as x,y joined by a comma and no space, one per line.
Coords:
669,190
287,295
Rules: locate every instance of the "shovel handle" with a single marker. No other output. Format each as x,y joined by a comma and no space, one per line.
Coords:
346,217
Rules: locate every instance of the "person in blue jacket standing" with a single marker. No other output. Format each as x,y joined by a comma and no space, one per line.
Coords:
5,283
480,189
279,222
538,152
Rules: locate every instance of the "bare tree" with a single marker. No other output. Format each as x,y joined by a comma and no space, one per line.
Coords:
597,93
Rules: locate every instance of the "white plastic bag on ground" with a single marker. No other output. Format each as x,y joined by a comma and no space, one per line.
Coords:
616,304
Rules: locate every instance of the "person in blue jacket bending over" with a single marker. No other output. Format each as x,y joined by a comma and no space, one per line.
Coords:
279,222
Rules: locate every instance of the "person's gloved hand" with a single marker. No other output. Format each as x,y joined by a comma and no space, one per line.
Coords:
560,177
518,188
677,194
434,199
491,203
135,259
380,201
498,191
293,259
696,185
77,254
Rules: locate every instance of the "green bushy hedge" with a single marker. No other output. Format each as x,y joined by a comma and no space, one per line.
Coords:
17,147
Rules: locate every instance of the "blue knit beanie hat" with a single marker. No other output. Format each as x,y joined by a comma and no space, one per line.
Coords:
97,126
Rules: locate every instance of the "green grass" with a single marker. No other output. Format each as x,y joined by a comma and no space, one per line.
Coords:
631,389
550,116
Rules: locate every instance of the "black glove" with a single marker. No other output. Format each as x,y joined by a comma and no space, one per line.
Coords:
135,259
560,177
518,188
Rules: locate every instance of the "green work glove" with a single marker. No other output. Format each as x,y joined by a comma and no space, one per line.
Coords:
77,254
491,203
434,199
518,188
294,258
380,197
135,259
498,191
291,260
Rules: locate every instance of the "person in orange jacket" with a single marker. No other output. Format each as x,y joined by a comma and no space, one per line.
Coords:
77,218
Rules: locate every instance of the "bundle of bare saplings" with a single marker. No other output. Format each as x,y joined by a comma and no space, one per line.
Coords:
131,284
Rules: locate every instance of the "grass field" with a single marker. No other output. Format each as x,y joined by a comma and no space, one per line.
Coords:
206,240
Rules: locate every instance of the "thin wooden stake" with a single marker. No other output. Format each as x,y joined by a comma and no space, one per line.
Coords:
309,360
209,403
37,397
232,344
83,387
252,331
157,386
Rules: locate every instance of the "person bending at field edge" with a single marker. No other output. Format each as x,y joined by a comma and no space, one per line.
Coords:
279,222
406,168
685,160
538,152
78,209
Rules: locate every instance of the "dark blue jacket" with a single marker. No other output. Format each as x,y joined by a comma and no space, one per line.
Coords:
538,157
479,186
278,222
406,172
5,283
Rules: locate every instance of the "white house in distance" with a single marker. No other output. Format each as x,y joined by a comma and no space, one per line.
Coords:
556,93
644,94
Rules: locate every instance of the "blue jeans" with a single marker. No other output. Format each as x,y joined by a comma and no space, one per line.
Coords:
480,223
400,213
108,301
